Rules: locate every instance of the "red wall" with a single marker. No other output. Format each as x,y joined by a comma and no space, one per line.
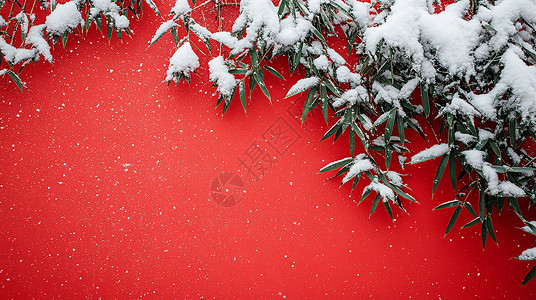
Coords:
105,191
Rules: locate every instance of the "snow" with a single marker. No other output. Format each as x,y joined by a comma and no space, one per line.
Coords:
181,8
359,166
314,5
260,16
522,81
385,192
336,57
345,75
321,63
219,73
352,96
35,38
361,13
108,7
225,38
464,138
64,18
394,178
162,29
184,61
529,254
303,85
15,55
475,158
528,229
452,37
430,153
292,31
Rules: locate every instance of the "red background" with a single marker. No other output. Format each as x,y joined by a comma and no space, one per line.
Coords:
105,176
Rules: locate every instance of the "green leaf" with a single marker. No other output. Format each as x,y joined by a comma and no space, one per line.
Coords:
332,130
490,229
352,142
472,223
389,126
448,204
175,35
374,204
481,204
260,82
529,275
242,92
324,99
15,78
336,164
425,100
453,219
470,209
401,129
274,72
440,170
153,7
365,195
484,234
452,169
308,101
388,208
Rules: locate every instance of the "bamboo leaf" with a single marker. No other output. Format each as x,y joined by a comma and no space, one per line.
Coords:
152,5
16,79
529,275
448,204
388,208
374,204
440,170
425,100
490,229
453,219
472,223
274,72
336,164
242,92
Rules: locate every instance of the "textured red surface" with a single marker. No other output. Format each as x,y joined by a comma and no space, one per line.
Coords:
106,177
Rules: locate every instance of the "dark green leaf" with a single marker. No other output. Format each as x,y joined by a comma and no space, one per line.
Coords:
388,208
389,126
448,204
440,170
425,100
472,223
274,72
453,219
336,165
470,209
242,92
452,169
15,78
529,275
374,204
153,7
490,229
484,234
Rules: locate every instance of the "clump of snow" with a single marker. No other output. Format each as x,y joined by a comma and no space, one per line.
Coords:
110,8
360,165
225,38
351,97
321,63
394,178
219,73
303,85
529,254
64,18
345,75
162,29
292,31
259,16
385,192
361,13
181,7
475,158
336,57
430,153
15,55
35,38
184,61
464,137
